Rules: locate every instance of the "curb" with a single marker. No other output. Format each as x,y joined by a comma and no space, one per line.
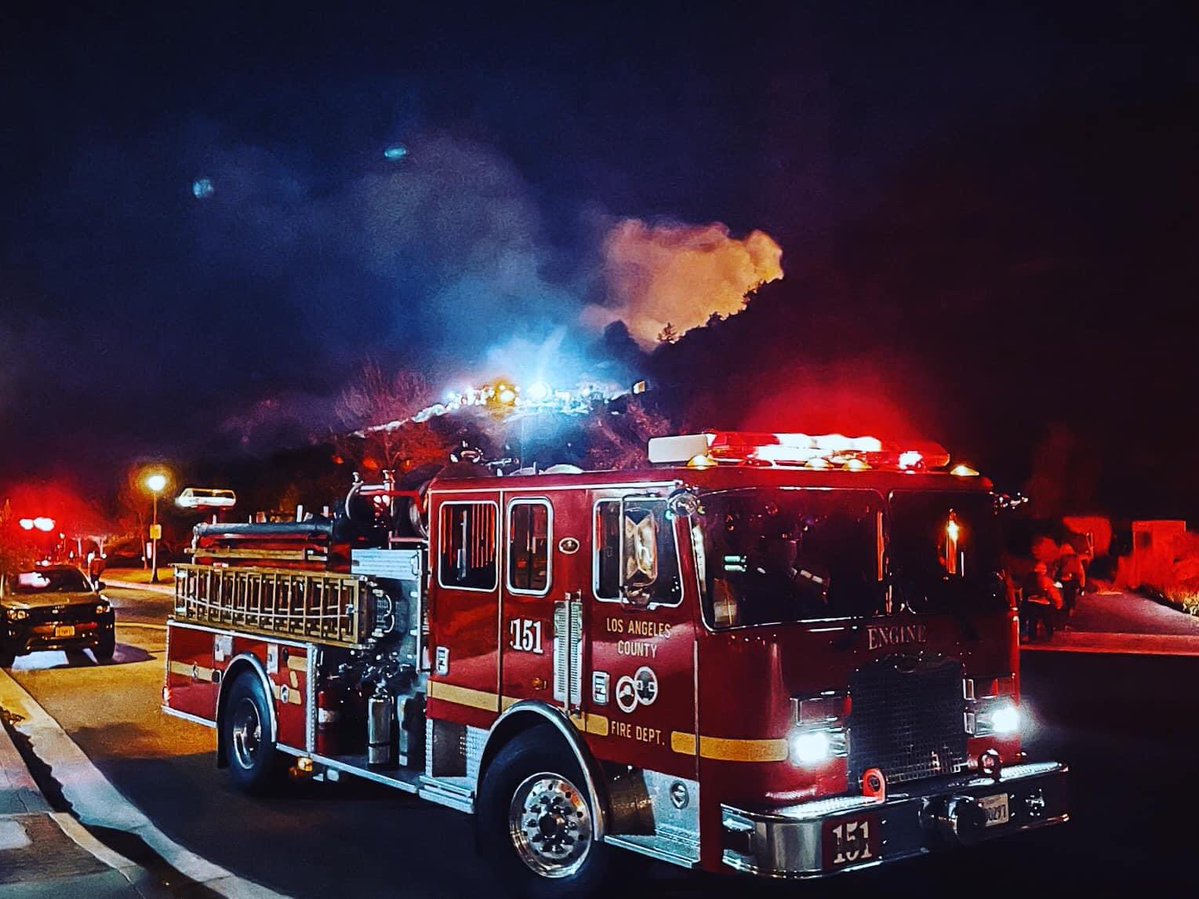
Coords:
166,589
17,783
98,803
1162,600
1119,644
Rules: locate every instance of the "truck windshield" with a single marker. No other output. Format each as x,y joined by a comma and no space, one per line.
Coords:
785,555
945,550
51,580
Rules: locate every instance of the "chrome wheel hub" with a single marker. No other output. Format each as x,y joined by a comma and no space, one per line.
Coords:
550,825
246,728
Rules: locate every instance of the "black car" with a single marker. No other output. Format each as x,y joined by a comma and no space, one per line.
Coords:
54,607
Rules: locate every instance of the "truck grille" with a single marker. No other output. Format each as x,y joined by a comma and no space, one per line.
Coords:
62,614
907,719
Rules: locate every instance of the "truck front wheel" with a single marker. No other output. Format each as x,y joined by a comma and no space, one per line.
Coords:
246,731
535,823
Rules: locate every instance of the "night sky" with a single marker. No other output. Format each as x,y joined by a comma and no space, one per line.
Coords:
989,209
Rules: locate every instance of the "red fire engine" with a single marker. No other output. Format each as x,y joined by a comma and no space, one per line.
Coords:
768,653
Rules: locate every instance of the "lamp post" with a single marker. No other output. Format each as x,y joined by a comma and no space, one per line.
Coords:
156,483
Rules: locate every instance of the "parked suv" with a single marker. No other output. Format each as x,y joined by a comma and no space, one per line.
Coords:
54,607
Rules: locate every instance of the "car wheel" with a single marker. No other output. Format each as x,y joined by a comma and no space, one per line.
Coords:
6,658
535,822
107,647
246,732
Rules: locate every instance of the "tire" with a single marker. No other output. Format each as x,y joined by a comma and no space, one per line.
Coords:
106,648
6,658
254,762
77,656
535,823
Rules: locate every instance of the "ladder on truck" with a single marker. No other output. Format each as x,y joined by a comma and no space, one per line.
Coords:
317,606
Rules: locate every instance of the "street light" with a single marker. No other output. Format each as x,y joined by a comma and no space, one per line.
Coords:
156,483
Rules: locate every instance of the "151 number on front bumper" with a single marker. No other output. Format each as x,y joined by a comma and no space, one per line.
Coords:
850,842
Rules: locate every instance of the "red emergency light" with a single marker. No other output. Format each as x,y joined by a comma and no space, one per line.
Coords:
796,450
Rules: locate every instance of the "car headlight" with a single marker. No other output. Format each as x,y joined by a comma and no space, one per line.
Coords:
103,608
18,614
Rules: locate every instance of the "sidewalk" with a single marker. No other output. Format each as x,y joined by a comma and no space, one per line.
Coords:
1127,624
50,854
139,579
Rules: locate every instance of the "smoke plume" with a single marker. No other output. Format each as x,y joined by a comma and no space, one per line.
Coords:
679,275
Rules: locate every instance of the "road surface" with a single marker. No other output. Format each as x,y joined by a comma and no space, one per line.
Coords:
1127,725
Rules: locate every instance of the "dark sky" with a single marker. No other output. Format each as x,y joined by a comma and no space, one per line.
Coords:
137,319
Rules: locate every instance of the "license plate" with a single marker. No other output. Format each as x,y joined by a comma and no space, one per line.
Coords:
995,808
851,841
64,630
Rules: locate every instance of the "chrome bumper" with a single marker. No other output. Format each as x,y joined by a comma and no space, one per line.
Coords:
799,840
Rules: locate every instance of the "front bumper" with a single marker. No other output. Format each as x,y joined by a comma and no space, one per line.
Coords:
23,637
827,836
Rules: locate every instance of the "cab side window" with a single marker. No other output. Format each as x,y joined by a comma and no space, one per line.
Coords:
529,526
634,547
468,546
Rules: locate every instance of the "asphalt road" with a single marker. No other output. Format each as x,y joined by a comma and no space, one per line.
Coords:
1127,725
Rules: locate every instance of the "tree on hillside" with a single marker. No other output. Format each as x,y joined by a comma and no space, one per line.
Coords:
620,441
371,407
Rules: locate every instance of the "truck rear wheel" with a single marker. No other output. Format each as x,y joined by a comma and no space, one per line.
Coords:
536,825
246,732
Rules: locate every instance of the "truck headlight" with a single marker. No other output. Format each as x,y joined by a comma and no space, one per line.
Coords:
811,747
1005,718
102,608
17,614
993,718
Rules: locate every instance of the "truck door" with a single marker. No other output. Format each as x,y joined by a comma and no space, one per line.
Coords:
465,591
641,679
532,579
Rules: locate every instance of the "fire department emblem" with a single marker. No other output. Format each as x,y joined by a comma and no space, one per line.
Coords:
640,689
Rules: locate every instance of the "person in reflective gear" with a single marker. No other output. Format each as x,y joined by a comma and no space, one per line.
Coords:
1041,603
1071,575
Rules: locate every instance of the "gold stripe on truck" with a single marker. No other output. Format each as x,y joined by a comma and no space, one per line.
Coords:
490,702
591,723
287,694
475,699
728,749
195,672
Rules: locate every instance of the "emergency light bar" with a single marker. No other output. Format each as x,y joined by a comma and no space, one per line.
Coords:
206,498
808,450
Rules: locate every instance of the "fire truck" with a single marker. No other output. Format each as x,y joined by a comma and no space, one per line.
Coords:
782,655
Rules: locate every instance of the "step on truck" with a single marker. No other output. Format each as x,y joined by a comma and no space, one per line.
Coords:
770,654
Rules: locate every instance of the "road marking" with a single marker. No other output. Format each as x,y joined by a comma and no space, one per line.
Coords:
153,627
98,802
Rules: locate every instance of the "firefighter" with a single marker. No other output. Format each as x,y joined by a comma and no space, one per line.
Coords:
1041,604
1071,575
